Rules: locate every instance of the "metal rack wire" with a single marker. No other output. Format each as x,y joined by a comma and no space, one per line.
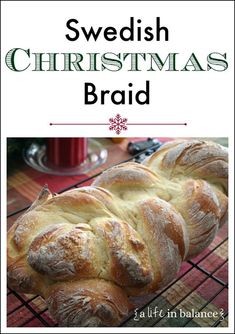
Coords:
28,310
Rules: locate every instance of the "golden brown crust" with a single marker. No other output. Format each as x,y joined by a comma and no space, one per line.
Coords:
163,230
64,253
22,278
196,158
87,249
200,209
127,265
88,303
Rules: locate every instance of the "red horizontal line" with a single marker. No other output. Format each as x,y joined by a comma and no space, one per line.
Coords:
79,123
156,123
126,124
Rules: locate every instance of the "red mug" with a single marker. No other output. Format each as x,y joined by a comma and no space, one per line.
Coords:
66,152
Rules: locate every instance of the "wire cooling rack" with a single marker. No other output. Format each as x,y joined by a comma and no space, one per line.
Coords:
198,297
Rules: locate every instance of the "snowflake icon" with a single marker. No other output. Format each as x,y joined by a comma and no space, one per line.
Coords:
117,124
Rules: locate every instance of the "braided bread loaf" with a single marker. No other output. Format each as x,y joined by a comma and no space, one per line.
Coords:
85,251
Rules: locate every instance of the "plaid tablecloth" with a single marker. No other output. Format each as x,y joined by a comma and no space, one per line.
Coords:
197,297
